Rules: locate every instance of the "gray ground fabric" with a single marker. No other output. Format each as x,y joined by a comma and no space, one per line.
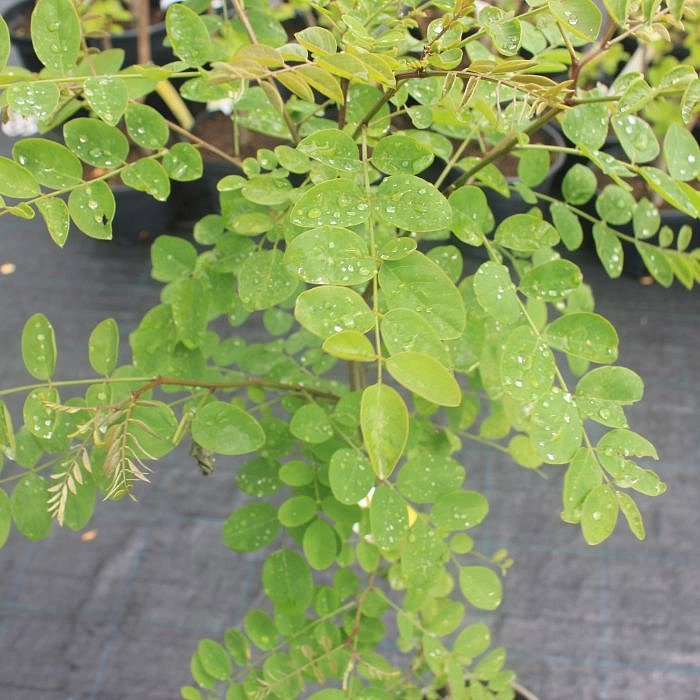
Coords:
116,618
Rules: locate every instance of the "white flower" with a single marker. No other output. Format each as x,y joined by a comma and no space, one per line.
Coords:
14,124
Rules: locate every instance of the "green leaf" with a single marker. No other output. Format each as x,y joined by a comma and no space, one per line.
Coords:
496,293
292,160
587,124
333,148
80,505
95,142
317,40
533,166
459,510
297,473
425,376
581,17
40,418
681,153
183,162
146,126
297,511
527,365
51,163
92,208
350,475
422,556
472,641
16,180
214,659
384,424
526,233
522,451
5,517
481,587
237,645
427,475
259,477
506,35
617,384
172,258
656,262
189,306
671,191
200,676
29,507
410,203
188,35
398,154
55,32
154,425
609,250
615,205
350,345
225,429
582,475
37,100
556,427
263,280
261,629
415,282
251,527
330,255
310,424
280,672
5,48
39,347
584,334
7,433
471,215
646,219
407,330
579,184
57,219
327,310
388,516
333,203
567,224
599,514
320,544
551,280
287,581
107,96
632,515
636,138
147,175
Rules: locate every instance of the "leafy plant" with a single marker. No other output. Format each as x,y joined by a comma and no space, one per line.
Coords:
386,353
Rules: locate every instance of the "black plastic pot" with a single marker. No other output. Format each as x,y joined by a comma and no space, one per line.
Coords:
128,42
16,17
140,218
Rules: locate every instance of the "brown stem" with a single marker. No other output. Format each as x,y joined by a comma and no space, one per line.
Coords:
143,22
374,109
217,386
203,144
